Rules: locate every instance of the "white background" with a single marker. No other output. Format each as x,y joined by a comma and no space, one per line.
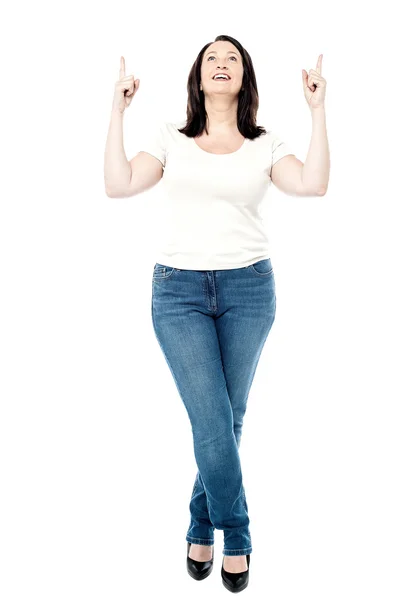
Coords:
97,462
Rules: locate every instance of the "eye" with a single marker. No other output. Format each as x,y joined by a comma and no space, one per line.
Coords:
235,58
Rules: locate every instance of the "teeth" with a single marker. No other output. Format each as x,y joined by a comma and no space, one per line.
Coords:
220,77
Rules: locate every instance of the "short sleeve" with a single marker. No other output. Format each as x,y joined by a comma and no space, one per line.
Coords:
154,142
279,148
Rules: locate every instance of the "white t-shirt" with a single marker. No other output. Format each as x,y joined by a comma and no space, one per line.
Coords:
213,203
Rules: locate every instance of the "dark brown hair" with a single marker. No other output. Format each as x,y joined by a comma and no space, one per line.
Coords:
248,98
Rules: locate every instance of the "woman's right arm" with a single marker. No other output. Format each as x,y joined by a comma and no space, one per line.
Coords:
117,168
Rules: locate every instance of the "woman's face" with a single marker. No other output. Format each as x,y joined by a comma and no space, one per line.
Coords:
222,57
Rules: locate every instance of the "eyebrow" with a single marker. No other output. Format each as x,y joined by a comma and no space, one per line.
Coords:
214,51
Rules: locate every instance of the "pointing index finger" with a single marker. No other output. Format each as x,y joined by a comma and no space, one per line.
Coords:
318,67
122,68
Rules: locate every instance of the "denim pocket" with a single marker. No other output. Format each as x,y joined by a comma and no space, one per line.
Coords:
162,271
263,268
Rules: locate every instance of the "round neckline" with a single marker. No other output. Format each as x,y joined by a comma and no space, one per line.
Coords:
224,153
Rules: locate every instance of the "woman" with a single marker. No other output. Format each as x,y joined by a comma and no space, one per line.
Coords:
213,289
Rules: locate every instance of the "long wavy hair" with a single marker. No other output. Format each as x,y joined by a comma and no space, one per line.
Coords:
248,98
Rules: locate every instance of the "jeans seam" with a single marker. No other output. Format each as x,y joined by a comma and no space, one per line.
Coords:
200,541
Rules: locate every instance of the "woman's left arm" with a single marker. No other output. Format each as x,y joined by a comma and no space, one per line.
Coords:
316,168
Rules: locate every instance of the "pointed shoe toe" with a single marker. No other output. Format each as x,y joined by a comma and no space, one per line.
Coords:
198,569
236,582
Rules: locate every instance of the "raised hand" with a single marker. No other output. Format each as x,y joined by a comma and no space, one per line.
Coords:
314,86
125,88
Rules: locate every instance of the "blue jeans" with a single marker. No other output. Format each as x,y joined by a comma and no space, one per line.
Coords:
211,327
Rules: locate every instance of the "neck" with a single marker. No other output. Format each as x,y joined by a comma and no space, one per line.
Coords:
221,115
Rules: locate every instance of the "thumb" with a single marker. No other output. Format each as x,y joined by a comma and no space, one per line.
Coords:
305,79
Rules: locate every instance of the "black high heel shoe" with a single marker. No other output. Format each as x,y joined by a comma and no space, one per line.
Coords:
199,569
236,582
